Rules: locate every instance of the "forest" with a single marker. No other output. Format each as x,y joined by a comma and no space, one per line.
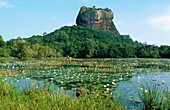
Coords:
80,42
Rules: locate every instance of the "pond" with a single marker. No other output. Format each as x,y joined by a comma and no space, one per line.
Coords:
110,76
129,90
21,84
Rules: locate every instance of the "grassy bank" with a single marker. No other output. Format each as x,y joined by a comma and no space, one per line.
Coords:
36,99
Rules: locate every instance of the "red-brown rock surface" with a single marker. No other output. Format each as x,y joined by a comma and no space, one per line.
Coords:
93,18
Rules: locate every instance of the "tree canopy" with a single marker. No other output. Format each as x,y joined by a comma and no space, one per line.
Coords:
81,42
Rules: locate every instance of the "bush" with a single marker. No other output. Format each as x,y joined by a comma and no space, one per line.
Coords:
154,96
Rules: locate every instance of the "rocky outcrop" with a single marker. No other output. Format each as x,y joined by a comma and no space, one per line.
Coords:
93,18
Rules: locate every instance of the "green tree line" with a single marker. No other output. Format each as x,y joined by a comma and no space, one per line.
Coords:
80,42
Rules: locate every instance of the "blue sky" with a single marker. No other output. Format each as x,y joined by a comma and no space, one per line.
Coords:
144,20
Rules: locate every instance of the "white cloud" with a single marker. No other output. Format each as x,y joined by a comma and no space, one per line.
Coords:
5,4
161,22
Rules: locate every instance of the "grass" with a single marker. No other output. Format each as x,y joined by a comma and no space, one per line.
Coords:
45,99
155,96
8,73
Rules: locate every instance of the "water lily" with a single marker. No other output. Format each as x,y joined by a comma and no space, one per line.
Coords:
145,90
163,81
134,73
138,77
113,83
121,78
27,78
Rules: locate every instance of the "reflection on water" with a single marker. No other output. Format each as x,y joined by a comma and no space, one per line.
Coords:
129,89
26,83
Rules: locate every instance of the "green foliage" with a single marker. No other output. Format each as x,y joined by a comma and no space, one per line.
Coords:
5,52
154,97
19,48
22,50
46,99
94,7
164,51
2,42
77,41
107,9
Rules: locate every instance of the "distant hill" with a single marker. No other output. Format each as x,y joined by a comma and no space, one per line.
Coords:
95,37
78,41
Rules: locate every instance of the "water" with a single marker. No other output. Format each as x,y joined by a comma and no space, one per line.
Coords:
129,89
26,83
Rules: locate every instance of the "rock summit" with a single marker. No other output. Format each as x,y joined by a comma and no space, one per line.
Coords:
93,18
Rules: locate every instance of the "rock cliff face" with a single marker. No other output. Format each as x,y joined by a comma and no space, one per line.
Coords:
96,18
